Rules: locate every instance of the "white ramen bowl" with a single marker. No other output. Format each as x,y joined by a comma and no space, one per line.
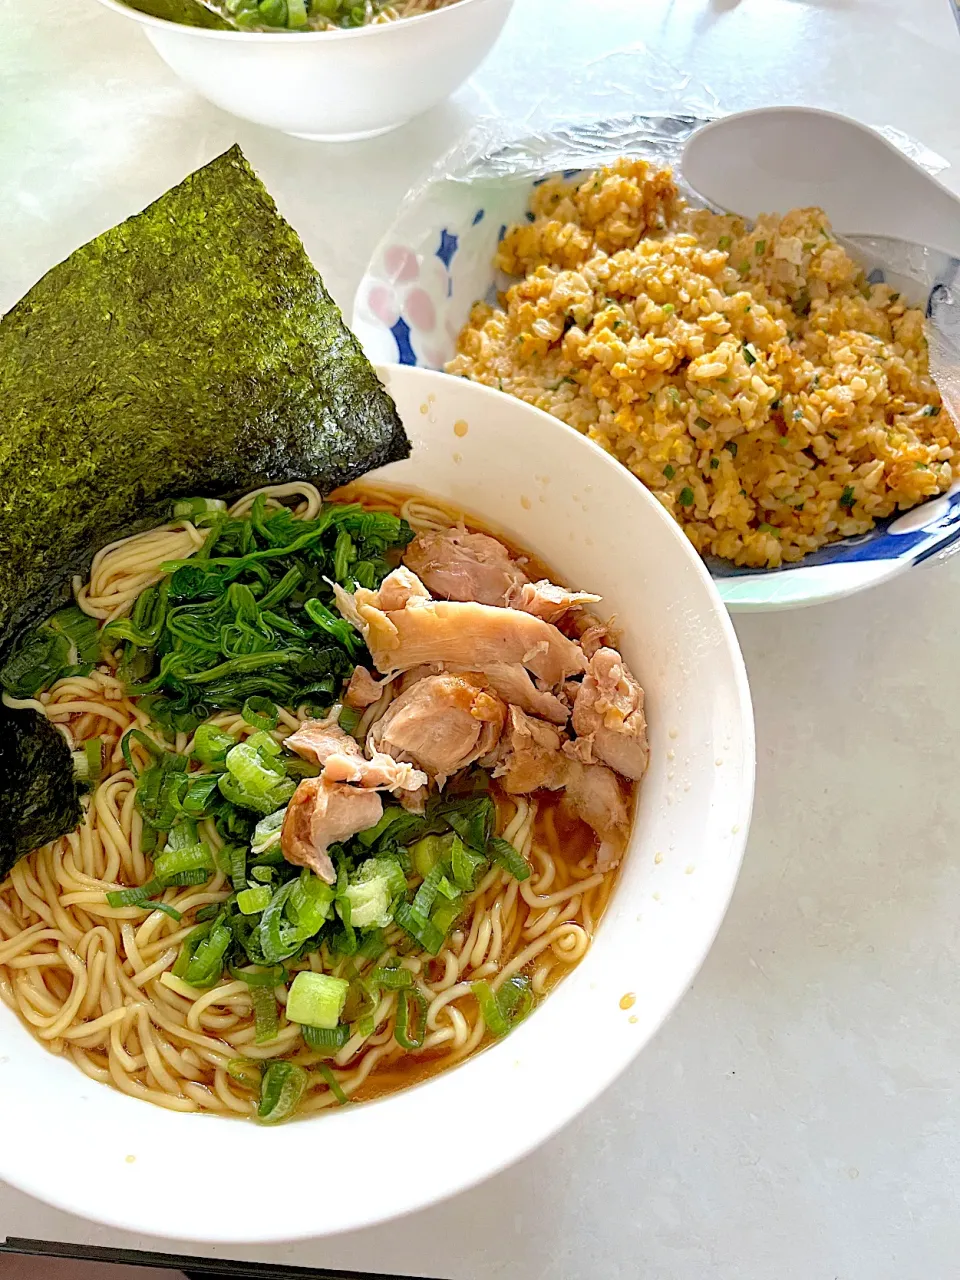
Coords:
558,495
331,86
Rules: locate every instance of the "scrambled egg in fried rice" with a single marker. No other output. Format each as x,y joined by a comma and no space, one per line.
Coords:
770,397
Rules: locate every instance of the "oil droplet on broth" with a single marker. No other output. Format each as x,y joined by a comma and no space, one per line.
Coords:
633,1018
628,1001
424,408
130,1159
460,428
525,502
458,457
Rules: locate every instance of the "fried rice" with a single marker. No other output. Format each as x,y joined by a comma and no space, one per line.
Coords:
753,379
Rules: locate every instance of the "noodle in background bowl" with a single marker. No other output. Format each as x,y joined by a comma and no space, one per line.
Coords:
331,86
559,496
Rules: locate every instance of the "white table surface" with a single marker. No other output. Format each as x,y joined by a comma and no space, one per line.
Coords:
798,1117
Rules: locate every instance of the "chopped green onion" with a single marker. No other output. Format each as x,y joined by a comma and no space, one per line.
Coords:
265,1019
167,910
272,977
266,834
238,864
396,979
189,947
333,1084
515,998
702,423
724,242
731,448
669,471
93,749
316,999
390,816
190,508
281,1089
210,744
503,852
190,877
261,713
749,354
349,719
135,897
426,895
137,735
245,1071
760,248
174,862
206,964
407,1038
464,864
847,497
444,915
326,1040
252,901
261,801
426,853
714,464
421,929
372,945
493,1016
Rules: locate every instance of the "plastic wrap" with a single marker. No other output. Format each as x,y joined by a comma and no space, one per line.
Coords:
436,261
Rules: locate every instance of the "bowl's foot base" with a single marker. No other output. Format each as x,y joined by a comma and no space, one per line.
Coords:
347,137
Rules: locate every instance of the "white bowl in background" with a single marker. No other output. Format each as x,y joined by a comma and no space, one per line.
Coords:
560,496
331,86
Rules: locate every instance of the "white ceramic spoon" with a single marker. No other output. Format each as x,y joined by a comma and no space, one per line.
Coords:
780,158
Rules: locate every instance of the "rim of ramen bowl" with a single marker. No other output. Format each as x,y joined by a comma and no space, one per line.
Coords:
461,1127
374,30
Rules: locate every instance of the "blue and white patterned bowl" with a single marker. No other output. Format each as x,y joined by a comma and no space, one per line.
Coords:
436,261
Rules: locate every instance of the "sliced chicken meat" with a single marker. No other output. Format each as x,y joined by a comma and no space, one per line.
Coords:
362,691
546,600
594,637
595,795
457,565
464,635
320,814
608,716
531,755
511,682
342,759
534,755
441,723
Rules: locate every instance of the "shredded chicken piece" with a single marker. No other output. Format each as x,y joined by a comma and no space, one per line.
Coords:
320,814
464,566
456,565
535,755
442,723
343,760
362,691
595,637
465,635
544,599
595,795
608,716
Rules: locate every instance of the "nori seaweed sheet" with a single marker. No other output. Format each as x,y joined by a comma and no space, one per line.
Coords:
191,350
188,13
